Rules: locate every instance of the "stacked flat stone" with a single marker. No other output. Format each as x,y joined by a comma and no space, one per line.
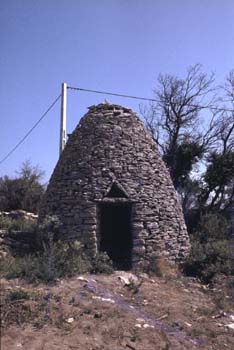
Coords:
111,145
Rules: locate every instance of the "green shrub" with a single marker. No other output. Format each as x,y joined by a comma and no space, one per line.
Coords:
212,248
21,224
23,191
102,264
5,222
19,236
60,260
66,259
212,226
55,259
210,258
18,294
10,267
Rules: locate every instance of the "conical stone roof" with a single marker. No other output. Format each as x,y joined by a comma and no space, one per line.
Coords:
110,177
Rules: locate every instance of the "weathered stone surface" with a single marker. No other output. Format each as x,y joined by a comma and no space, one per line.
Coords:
111,145
19,214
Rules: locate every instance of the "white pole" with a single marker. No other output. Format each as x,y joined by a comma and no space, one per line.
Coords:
62,141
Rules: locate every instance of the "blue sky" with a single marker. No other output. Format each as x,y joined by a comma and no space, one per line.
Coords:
111,45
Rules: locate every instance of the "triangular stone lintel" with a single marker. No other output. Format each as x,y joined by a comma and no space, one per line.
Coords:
116,190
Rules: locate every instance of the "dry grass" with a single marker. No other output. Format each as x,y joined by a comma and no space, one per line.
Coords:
78,313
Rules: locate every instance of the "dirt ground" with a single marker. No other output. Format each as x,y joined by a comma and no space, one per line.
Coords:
119,311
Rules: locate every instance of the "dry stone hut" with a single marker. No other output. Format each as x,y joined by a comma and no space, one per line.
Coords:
112,191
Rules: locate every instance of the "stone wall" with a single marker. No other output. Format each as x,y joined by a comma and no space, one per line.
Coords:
111,145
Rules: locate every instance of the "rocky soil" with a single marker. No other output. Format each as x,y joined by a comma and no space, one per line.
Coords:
119,311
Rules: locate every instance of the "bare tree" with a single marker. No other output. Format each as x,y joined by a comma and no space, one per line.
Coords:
179,101
174,119
218,180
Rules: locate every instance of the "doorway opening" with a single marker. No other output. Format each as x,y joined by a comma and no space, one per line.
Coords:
116,234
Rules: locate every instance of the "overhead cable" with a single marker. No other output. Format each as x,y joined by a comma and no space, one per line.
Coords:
29,132
145,98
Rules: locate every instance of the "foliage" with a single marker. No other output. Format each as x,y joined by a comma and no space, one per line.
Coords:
48,229
18,294
102,264
212,227
211,258
10,224
218,187
19,236
175,122
181,159
60,260
212,249
5,222
55,259
22,192
65,259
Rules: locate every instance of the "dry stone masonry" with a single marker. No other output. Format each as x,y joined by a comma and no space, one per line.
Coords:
112,191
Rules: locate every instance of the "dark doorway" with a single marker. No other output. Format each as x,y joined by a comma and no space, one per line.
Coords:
116,235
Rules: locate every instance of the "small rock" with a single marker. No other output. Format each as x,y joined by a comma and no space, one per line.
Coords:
186,290
230,326
128,278
188,324
81,278
108,300
146,325
162,317
70,320
138,325
221,314
103,299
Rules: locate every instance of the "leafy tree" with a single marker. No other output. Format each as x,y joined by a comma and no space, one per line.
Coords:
182,159
24,191
218,189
